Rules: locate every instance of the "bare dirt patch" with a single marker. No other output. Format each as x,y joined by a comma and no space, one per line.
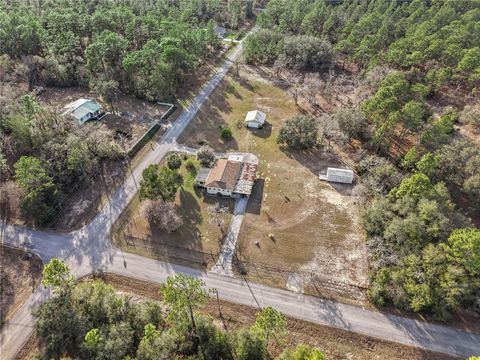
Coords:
294,223
198,240
19,276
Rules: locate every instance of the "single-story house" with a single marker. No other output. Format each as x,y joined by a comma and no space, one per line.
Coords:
83,110
343,176
231,177
255,119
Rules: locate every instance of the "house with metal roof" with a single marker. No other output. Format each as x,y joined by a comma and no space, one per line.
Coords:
233,177
83,110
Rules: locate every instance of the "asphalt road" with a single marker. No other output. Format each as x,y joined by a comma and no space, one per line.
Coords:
90,250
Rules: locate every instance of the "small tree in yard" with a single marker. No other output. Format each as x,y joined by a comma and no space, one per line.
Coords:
299,133
206,156
162,214
226,134
174,161
161,184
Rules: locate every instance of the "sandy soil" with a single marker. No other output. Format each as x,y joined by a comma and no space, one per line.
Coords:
19,276
315,226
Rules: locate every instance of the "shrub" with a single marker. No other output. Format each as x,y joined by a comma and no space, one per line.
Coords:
226,134
174,161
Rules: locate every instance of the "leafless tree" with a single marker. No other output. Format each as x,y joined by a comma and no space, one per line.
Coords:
162,214
296,82
206,156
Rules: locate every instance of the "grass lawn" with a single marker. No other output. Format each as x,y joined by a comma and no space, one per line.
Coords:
315,226
198,240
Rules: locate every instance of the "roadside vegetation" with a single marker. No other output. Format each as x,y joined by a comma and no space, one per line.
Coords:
421,177
89,320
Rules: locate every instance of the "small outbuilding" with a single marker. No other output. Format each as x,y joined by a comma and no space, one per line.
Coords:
255,119
343,176
220,31
83,110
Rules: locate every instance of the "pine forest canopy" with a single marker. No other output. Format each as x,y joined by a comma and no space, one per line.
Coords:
146,47
440,37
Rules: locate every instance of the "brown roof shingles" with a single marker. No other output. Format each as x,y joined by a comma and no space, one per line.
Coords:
224,174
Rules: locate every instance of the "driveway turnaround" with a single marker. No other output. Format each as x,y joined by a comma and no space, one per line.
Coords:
89,250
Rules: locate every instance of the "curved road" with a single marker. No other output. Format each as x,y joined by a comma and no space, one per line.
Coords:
89,250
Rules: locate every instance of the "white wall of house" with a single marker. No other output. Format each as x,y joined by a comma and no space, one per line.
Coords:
216,191
253,124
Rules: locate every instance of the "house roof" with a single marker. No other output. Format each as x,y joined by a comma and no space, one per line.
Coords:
339,172
79,108
224,174
256,116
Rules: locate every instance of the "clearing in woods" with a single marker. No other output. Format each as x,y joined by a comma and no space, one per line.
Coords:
298,230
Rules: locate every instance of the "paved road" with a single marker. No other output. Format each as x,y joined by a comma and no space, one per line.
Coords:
89,250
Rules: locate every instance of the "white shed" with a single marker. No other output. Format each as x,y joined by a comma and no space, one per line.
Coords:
344,176
255,119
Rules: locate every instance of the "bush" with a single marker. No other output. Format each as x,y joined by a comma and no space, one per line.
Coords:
206,156
191,166
226,134
174,161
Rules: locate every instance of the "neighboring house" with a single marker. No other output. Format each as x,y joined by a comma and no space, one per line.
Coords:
220,31
83,110
344,176
233,177
255,119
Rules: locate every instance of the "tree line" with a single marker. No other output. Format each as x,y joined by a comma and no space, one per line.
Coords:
90,320
440,38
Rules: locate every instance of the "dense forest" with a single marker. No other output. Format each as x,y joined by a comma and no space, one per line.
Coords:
140,47
421,178
89,320
147,49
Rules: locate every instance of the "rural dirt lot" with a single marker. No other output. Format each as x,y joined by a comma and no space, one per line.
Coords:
297,230
198,240
19,276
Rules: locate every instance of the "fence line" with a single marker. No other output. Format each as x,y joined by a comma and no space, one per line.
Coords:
150,133
167,252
